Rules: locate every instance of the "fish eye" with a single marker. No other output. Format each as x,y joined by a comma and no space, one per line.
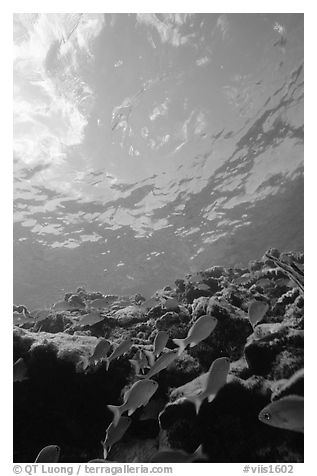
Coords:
267,416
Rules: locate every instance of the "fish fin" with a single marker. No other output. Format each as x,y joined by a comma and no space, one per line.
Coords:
116,410
211,397
107,364
192,344
130,411
105,451
197,401
182,343
199,453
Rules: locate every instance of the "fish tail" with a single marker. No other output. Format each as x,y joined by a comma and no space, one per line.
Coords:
182,343
85,362
116,410
211,397
199,454
105,451
197,401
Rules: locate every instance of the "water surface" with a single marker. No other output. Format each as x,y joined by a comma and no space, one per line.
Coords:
148,146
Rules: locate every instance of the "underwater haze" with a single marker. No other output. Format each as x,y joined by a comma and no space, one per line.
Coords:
148,146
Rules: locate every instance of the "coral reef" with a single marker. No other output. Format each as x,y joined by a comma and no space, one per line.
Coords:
63,400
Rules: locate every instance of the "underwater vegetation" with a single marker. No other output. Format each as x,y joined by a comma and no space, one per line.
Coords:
209,371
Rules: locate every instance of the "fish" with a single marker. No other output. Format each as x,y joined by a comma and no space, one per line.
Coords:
122,348
161,363
203,287
40,314
160,342
256,311
199,331
216,378
115,433
195,278
99,303
170,304
140,361
20,371
286,413
91,319
261,331
137,396
177,456
149,303
49,454
100,352
62,306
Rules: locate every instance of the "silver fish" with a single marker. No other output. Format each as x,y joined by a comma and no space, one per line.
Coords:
20,371
122,348
100,303
160,342
99,353
137,396
49,454
115,433
62,306
149,303
262,331
286,413
256,311
170,304
216,378
139,361
199,331
91,319
161,363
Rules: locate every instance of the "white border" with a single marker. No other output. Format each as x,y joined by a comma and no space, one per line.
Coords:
6,201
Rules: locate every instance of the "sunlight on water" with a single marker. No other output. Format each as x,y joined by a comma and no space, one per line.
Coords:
150,145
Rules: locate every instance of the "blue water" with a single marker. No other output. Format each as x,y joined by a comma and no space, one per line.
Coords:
149,146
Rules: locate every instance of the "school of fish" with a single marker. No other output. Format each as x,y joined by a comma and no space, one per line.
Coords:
284,413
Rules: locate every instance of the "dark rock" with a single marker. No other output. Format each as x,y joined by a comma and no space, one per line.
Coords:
229,336
278,356
230,430
129,315
293,386
180,421
55,323
215,272
193,292
58,404
168,320
180,285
